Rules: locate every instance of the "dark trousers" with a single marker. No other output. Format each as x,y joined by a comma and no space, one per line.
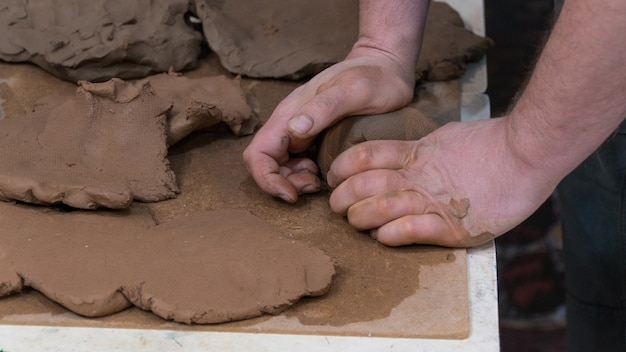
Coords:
593,202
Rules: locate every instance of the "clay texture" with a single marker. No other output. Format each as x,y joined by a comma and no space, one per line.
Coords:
62,152
201,103
295,39
103,147
405,124
96,40
228,264
434,105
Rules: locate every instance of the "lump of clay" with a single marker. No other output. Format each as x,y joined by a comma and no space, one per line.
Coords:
293,39
101,148
96,40
405,124
200,103
210,267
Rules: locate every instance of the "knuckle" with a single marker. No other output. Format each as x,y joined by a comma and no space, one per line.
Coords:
322,104
386,205
357,185
363,154
355,221
407,229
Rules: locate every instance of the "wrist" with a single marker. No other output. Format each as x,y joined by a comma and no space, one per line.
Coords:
404,65
539,149
393,29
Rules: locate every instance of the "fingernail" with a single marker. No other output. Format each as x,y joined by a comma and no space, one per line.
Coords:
330,179
300,124
286,198
310,188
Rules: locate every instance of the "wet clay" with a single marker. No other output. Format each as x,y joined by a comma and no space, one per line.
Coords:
61,152
201,103
96,40
405,124
295,39
433,105
229,264
102,147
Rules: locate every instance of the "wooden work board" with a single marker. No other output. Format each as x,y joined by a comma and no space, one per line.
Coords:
412,291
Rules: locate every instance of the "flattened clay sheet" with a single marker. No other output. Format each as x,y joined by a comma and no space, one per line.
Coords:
293,39
61,153
200,103
103,147
96,40
209,267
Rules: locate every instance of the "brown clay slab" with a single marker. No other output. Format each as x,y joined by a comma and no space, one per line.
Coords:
96,40
211,267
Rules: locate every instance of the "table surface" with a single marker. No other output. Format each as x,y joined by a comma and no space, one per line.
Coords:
481,275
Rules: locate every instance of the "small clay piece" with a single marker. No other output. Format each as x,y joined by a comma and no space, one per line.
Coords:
200,103
294,39
96,40
210,267
101,148
405,124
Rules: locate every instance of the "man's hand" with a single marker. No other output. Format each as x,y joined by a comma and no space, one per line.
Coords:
369,81
460,186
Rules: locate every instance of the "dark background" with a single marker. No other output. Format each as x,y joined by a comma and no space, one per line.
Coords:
530,269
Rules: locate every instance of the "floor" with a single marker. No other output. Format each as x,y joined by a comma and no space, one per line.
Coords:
530,269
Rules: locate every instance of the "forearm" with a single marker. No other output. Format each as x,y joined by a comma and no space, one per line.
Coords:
394,28
576,95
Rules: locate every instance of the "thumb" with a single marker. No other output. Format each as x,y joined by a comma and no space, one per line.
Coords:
321,111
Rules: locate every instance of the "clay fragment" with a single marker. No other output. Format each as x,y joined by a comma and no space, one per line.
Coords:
229,265
101,148
96,40
294,39
201,103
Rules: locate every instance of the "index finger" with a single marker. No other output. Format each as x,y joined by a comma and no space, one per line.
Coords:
370,155
266,173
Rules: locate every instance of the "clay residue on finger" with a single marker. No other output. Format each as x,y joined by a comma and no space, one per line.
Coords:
458,207
228,264
103,147
477,240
